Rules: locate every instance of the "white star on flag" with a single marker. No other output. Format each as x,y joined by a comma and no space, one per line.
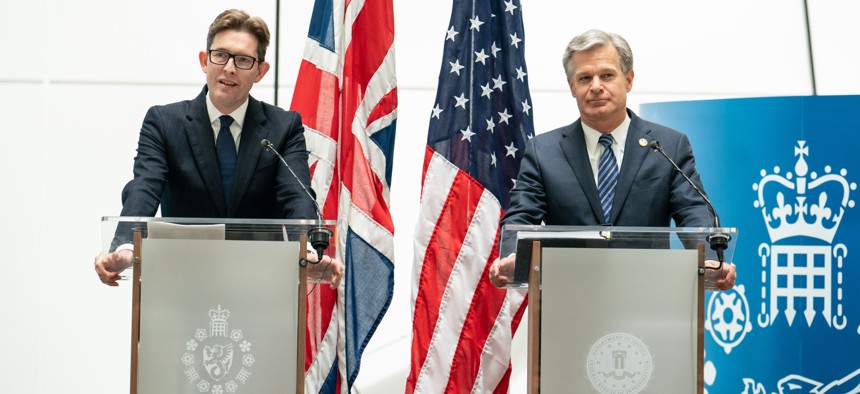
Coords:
455,66
498,83
486,90
504,116
521,74
481,57
512,150
451,33
436,111
491,125
476,23
462,100
467,134
515,41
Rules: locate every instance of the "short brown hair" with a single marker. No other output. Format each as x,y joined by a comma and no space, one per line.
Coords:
240,21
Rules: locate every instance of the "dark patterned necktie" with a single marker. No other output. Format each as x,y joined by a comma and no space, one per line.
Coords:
607,176
225,149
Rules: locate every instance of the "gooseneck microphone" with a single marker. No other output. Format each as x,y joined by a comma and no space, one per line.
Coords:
719,241
318,235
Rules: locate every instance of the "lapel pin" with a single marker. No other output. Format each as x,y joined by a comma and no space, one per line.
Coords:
643,142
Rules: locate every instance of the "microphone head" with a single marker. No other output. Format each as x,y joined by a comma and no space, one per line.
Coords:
655,145
265,143
319,237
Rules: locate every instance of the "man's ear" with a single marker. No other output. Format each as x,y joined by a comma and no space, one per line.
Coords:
262,69
629,77
204,60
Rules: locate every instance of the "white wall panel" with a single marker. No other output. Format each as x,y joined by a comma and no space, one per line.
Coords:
24,32
835,38
103,41
22,264
681,47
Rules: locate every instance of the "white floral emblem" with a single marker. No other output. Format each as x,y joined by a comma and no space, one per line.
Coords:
728,317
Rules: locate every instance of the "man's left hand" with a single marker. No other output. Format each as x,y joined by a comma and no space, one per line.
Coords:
328,268
721,279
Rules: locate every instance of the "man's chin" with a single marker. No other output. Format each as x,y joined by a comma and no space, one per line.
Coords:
224,91
224,100
600,111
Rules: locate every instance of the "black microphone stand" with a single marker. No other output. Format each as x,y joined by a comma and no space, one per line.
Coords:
719,241
318,236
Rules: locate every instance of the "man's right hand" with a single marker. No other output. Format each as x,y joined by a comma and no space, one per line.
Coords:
109,265
502,271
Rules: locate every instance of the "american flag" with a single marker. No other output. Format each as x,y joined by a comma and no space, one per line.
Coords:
462,325
346,92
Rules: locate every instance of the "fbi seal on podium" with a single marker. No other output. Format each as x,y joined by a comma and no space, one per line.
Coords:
619,363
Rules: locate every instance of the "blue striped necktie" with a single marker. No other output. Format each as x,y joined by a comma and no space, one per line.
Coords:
607,176
225,149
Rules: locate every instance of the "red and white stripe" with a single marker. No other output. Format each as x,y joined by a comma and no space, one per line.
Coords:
462,325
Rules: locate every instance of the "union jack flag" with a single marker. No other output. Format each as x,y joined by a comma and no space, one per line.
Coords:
346,92
462,325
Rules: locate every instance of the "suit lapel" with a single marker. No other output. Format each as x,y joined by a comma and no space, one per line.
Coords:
200,137
634,156
249,151
573,146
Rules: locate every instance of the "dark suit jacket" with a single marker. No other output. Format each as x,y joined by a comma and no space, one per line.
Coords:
176,165
556,184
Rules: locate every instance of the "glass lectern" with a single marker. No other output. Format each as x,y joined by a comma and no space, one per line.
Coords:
218,305
614,309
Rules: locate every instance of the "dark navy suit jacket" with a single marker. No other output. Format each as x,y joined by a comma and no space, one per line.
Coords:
556,185
176,165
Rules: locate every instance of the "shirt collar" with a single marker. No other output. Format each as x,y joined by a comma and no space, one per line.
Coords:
238,115
619,135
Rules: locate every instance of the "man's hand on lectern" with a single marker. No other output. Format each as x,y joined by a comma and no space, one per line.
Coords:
109,265
722,279
502,271
328,268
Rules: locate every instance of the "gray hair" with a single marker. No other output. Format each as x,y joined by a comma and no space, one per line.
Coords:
597,38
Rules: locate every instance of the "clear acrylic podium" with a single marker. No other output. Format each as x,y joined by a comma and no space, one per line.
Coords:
614,309
218,305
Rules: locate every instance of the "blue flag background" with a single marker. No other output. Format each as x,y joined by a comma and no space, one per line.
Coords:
784,171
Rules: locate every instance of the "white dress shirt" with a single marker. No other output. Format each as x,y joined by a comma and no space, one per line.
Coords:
595,150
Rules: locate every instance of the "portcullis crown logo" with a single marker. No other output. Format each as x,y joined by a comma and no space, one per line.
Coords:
802,211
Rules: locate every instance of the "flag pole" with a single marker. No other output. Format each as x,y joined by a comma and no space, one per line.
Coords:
809,47
277,46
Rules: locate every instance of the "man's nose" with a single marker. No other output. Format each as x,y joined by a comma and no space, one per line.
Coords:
230,66
596,85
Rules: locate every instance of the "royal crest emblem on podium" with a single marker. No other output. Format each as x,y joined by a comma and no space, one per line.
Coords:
216,348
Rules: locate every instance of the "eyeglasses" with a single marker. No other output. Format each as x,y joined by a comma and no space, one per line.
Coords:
240,61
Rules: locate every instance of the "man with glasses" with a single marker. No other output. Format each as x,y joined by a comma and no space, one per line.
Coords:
202,157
